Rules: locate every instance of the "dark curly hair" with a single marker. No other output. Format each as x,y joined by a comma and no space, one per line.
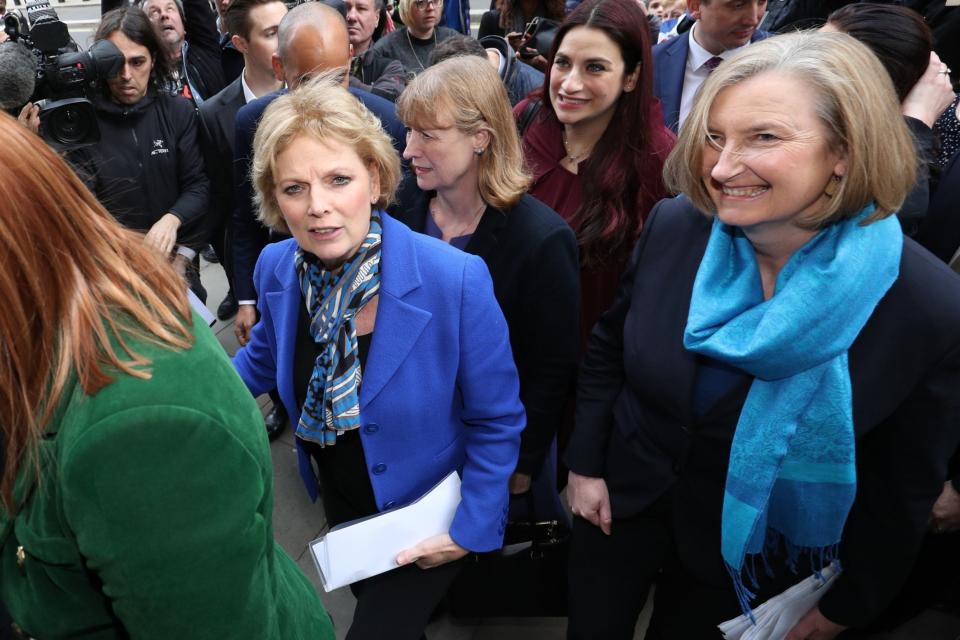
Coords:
133,23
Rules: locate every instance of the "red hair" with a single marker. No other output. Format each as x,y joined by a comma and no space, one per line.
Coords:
74,283
622,177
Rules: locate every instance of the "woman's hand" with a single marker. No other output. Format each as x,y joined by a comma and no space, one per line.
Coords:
813,626
945,516
162,236
519,483
516,40
30,117
243,323
538,62
931,95
590,500
432,552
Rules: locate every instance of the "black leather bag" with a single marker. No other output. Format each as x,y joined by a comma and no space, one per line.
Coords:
527,577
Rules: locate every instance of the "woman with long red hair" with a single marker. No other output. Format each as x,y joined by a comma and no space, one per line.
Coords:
136,487
597,144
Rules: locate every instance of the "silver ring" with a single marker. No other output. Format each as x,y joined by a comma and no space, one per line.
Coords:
945,72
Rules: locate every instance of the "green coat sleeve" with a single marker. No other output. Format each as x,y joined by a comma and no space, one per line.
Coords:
172,511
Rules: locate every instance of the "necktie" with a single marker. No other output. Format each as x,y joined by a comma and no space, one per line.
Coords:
712,64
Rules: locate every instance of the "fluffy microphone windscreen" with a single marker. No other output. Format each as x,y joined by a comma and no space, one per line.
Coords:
17,74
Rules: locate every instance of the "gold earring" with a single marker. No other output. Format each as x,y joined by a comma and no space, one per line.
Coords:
831,189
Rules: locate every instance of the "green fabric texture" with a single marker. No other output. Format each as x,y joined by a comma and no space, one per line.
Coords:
152,516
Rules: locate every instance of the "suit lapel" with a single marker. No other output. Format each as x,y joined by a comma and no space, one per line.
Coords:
485,240
399,324
675,71
282,304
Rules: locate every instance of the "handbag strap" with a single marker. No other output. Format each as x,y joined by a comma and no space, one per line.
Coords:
530,110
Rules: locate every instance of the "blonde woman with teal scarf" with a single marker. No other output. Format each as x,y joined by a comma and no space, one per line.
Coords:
775,387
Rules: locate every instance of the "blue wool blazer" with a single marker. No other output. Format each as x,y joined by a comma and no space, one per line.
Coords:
669,69
440,389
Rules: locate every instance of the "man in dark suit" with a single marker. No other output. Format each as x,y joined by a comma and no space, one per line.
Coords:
254,25
681,64
312,38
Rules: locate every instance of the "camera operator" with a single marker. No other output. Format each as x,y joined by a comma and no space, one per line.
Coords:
188,36
147,169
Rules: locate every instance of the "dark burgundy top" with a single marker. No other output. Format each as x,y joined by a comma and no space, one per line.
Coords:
562,191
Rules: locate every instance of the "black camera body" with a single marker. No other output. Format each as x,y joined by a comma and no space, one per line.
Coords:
65,79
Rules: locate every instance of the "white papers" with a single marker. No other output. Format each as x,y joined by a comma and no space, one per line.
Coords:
200,308
779,614
363,548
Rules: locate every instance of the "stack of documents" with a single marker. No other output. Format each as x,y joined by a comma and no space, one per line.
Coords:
356,550
779,614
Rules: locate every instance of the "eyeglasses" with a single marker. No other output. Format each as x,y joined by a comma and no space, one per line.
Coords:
422,4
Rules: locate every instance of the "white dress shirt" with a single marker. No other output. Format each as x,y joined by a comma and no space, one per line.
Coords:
696,73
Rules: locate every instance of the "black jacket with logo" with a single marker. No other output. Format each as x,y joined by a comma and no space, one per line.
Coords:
148,162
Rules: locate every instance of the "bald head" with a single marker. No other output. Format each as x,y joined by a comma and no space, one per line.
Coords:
312,37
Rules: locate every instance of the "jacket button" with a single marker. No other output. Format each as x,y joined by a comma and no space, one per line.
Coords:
379,468
677,467
373,427
21,559
390,504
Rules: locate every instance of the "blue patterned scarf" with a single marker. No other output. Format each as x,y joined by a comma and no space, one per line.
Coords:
332,405
792,472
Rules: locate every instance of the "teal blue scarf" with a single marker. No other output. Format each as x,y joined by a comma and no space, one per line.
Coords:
792,470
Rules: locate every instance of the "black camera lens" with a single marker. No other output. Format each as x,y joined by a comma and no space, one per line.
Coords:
69,126
69,123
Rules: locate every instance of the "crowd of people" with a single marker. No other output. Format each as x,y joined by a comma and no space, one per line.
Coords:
692,272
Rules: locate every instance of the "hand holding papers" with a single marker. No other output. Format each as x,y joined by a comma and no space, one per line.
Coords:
777,616
368,547
432,552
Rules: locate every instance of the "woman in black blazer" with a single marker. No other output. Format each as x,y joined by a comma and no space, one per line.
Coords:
666,415
468,188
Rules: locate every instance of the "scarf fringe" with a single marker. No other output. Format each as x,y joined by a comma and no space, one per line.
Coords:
818,559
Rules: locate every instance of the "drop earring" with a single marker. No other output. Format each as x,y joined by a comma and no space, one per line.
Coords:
831,189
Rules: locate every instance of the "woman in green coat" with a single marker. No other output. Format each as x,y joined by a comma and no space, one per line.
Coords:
136,486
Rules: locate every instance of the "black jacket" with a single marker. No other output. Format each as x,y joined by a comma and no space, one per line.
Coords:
202,53
378,74
147,162
532,257
217,134
635,425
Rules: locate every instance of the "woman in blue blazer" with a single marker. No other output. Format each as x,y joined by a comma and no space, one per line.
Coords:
388,348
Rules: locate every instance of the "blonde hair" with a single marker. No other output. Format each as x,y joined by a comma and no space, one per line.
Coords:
468,91
855,101
75,286
323,109
404,6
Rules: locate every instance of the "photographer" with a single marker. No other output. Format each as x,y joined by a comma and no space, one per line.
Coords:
147,169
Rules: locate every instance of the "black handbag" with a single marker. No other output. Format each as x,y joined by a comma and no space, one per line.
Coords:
526,577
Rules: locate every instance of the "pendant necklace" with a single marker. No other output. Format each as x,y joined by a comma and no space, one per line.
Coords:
574,158
414,51
468,226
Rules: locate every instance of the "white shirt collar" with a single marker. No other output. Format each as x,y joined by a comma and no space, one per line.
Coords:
248,94
503,62
698,55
